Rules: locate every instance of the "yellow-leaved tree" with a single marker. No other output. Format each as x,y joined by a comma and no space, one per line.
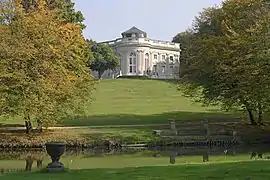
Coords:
43,67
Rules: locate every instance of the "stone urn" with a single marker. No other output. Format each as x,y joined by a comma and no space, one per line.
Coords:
55,150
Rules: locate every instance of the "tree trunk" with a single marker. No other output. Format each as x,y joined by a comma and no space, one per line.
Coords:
99,74
28,124
251,117
250,113
260,114
39,126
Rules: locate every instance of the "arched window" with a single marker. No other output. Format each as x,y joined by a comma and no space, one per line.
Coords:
132,62
171,59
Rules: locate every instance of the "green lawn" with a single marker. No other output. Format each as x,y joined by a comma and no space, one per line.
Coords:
226,171
131,101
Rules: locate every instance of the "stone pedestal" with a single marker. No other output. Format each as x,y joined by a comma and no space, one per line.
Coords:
173,127
207,130
234,134
55,150
55,166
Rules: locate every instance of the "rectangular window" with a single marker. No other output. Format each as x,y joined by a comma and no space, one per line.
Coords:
155,56
130,69
130,61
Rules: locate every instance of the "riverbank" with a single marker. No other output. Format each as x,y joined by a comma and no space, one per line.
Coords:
229,171
89,137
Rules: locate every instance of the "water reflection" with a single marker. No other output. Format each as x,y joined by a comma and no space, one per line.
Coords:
256,154
206,156
29,161
173,157
87,159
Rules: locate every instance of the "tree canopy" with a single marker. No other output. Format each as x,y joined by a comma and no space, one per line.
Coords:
43,67
65,9
226,56
104,58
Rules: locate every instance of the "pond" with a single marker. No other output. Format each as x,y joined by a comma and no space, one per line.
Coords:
11,161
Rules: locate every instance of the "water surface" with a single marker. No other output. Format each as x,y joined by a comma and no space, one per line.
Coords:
12,161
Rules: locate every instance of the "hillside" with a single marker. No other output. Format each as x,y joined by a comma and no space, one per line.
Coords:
130,101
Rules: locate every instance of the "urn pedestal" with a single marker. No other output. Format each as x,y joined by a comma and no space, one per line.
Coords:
55,150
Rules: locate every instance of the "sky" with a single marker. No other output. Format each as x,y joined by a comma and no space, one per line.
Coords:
161,19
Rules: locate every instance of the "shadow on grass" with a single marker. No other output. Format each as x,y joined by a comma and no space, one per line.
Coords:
162,118
146,78
2,125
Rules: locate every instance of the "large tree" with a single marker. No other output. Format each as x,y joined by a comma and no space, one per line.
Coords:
104,58
65,9
43,68
230,64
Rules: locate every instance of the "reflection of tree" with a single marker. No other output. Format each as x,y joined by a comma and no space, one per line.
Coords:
254,154
172,157
206,157
39,164
29,162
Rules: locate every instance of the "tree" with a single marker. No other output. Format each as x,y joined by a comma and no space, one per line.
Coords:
227,66
104,58
246,24
43,68
65,8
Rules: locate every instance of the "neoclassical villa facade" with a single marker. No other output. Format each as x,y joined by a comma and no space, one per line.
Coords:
142,56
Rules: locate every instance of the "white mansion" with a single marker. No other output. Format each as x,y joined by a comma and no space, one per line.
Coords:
141,56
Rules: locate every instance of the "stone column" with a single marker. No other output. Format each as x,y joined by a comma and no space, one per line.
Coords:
142,62
151,60
138,59
126,64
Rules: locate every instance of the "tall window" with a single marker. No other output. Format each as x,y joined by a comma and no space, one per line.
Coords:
155,57
132,63
163,58
171,60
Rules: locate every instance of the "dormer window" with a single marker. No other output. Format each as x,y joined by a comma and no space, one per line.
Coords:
128,35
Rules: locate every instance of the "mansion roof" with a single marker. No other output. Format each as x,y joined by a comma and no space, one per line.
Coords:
134,30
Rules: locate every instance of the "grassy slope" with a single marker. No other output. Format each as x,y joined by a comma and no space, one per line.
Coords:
227,171
126,101
131,101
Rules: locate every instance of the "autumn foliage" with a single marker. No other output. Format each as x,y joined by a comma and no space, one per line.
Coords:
43,67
